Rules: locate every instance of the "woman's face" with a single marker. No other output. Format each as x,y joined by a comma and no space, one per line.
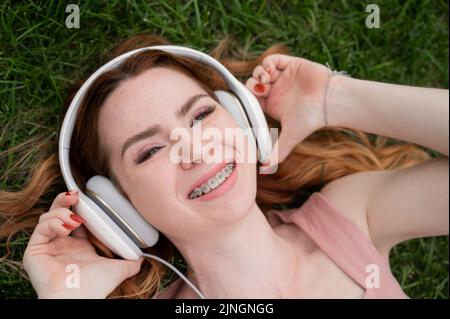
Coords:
156,183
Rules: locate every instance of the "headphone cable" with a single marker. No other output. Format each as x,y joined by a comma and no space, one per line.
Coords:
198,292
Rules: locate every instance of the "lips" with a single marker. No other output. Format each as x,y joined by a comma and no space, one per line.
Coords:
210,174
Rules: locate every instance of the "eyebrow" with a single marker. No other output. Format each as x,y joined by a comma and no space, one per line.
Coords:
156,128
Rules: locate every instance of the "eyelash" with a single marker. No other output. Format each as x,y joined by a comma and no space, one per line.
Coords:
205,111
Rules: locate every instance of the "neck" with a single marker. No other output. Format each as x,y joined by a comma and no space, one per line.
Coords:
243,260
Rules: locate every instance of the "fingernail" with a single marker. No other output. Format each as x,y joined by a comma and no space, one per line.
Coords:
68,193
68,227
260,88
268,168
77,218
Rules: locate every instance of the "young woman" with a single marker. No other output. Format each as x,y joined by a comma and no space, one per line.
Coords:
334,244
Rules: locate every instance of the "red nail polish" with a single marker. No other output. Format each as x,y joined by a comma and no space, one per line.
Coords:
260,88
68,227
77,218
67,193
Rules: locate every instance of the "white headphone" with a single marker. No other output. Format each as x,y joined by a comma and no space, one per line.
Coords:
111,217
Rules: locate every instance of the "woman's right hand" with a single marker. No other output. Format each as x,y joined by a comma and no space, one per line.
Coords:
51,250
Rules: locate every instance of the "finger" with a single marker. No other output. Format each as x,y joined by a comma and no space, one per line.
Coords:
261,75
48,230
65,200
64,214
260,90
269,65
276,61
271,69
274,74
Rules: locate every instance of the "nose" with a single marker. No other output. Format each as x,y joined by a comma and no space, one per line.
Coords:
195,155
187,166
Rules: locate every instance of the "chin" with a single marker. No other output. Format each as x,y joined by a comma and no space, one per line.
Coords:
233,204
234,209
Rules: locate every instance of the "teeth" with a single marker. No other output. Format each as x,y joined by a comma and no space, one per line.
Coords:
205,189
214,182
220,177
198,191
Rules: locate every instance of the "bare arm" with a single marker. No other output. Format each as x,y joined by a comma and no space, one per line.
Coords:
417,115
404,203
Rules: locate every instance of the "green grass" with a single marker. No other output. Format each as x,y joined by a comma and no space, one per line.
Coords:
40,57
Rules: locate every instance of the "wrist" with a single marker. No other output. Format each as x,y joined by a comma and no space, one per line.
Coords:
339,101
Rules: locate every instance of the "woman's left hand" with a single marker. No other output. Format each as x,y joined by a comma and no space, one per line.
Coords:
291,90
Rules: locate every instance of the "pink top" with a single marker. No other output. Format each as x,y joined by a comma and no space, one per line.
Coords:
342,241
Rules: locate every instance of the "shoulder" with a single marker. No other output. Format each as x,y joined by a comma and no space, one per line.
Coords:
350,196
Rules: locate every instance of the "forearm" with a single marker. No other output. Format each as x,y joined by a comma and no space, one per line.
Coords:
412,114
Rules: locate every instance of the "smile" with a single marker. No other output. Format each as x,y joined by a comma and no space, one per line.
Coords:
213,183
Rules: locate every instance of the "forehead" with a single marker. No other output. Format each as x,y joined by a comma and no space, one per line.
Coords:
152,87
149,98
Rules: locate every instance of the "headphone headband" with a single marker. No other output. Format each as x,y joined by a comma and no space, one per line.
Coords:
244,95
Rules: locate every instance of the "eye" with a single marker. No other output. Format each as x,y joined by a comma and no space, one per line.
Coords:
202,113
147,154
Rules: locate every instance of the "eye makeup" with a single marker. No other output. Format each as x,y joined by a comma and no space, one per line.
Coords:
198,116
202,113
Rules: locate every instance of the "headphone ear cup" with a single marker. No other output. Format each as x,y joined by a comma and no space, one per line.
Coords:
232,104
103,192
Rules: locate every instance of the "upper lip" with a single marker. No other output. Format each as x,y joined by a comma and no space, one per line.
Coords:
210,174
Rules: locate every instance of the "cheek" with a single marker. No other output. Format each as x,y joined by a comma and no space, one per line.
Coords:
251,179
232,135
153,192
